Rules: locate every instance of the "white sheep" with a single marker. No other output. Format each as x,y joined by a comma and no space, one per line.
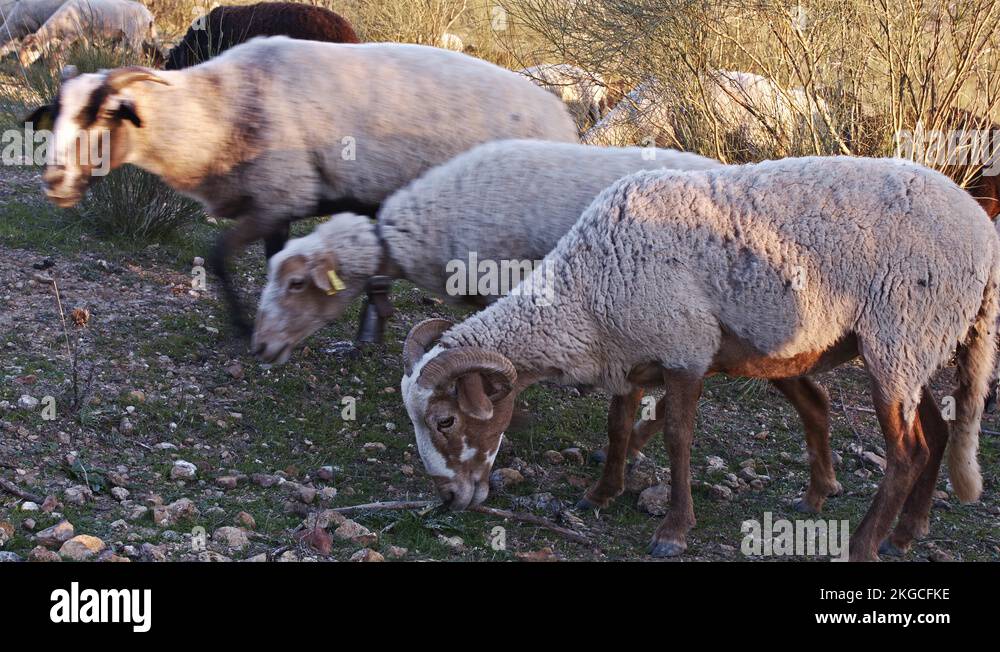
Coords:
583,92
773,270
88,21
279,129
452,42
501,202
24,17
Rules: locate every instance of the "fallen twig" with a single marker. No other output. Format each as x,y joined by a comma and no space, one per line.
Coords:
12,488
572,535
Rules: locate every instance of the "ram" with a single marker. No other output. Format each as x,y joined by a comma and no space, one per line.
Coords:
227,26
760,270
279,129
91,20
440,226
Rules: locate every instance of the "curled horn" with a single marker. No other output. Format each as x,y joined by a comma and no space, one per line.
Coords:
419,341
454,363
119,78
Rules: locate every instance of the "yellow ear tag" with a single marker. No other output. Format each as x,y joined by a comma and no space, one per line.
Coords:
336,285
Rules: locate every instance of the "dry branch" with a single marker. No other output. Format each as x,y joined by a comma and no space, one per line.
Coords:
12,488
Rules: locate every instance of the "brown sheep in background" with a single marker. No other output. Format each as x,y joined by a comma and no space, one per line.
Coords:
227,26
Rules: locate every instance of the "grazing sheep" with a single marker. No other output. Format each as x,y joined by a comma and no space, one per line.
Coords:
279,129
583,92
774,270
86,20
642,116
228,25
452,42
506,200
24,17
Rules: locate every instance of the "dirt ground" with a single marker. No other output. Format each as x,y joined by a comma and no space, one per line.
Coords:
161,380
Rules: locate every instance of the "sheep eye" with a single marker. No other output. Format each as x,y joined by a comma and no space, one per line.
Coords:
296,284
445,423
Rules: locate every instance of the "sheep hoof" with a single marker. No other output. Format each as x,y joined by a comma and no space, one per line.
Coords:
666,548
584,505
803,507
889,548
600,456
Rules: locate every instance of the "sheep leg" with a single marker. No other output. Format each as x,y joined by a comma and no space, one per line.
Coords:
813,406
914,521
612,481
906,456
643,429
229,244
275,241
680,408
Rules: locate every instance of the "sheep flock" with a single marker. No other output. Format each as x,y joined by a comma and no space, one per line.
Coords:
620,261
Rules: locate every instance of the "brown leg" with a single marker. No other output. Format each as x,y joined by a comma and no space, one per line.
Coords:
914,521
906,455
813,406
612,481
680,407
229,244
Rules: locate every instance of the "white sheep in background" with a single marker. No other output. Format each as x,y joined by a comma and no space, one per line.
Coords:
88,21
278,129
583,92
24,17
452,42
641,117
508,200
773,270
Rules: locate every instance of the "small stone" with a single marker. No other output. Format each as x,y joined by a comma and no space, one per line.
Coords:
503,478
655,500
757,483
545,554
454,543
28,524
233,538
715,462
373,447
180,509
355,533
264,480
38,553
864,474
81,548
407,470
245,519
396,552
325,473
367,555
119,493
317,539
78,494
326,494
747,474
55,536
50,504
720,492
137,395
553,457
874,460
573,456
137,512
235,370
182,470
7,556
28,506
324,519
27,402
227,481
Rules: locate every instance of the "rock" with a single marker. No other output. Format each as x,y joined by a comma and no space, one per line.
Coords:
324,519
264,480
542,502
153,553
454,543
503,478
396,552
38,553
29,524
182,470
50,504
873,460
720,492
747,474
757,483
27,402
367,555
317,539
7,556
78,494
233,538
246,520
715,463
407,470
81,548
355,533
137,512
325,473
6,532
119,525
180,509
306,494
326,494
55,536
655,500
119,493
235,370
573,456
137,395
28,506
642,474
545,554
553,457
212,556
373,447
227,481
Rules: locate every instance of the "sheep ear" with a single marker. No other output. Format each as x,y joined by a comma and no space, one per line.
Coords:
472,398
323,269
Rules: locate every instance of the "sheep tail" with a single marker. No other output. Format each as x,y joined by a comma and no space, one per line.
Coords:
976,357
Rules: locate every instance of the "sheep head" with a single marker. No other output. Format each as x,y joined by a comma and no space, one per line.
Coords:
311,282
90,120
460,402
